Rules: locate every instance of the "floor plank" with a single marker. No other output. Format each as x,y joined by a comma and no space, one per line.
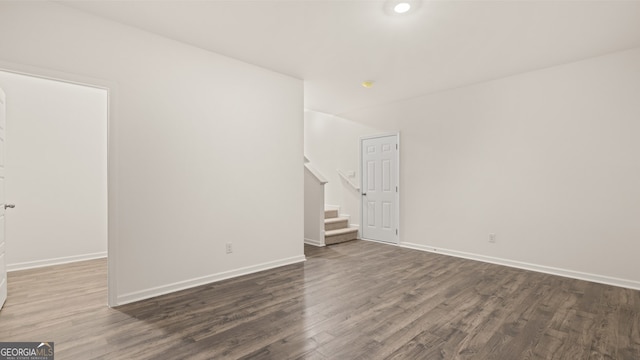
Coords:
356,300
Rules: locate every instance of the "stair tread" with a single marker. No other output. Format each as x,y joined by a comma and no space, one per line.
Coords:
335,220
340,231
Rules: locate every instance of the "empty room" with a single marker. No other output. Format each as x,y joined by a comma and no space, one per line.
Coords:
321,180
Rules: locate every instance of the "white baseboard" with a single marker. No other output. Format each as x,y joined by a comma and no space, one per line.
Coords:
187,284
625,283
314,242
56,261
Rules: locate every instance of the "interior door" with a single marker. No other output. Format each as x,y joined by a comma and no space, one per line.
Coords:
379,161
3,263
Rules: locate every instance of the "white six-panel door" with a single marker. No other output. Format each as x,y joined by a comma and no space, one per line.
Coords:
379,169
3,263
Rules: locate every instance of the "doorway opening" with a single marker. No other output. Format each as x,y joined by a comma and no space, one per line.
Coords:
56,171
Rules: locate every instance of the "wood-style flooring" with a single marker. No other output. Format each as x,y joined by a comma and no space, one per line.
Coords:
356,300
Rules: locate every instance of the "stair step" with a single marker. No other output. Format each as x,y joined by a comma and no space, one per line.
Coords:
340,235
336,223
329,214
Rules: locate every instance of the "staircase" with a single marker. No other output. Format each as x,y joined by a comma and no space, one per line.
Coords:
336,229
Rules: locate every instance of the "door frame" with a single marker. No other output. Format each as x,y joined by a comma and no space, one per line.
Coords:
112,155
4,279
397,210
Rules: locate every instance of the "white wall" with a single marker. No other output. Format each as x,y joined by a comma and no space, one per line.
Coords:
332,143
546,160
201,148
56,171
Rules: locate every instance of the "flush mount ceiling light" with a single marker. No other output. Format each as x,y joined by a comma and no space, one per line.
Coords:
402,7
367,84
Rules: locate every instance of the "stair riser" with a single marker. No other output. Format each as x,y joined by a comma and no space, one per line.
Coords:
328,240
336,225
330,214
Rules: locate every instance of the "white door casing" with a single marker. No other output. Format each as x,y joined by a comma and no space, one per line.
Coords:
3,263
379,168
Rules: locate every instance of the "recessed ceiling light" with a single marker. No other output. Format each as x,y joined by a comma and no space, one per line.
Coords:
402,7
367,84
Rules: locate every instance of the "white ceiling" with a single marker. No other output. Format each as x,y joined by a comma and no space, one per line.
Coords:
335,45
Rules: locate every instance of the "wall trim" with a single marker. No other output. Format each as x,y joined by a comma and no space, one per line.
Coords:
204,280
314,242
56,261
607,280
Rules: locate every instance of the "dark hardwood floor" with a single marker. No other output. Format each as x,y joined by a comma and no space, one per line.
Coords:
356,300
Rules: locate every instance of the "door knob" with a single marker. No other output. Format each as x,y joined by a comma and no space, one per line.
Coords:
10,206
364,194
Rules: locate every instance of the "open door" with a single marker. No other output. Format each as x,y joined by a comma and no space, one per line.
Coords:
3,206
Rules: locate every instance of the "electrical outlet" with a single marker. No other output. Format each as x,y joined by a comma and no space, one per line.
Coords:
229,248
492,238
